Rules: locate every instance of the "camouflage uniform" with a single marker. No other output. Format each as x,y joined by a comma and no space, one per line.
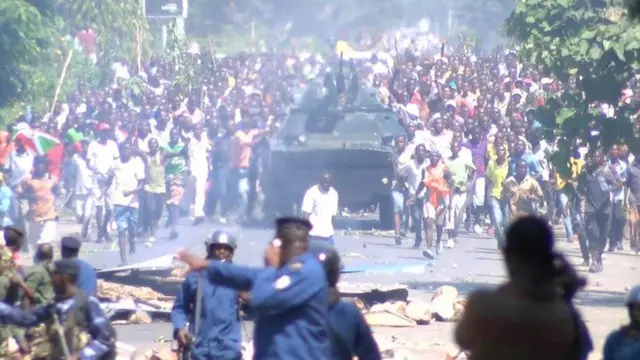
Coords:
75,329
7,273
39,281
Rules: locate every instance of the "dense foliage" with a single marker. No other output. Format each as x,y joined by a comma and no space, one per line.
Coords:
591,42
37,35
27,31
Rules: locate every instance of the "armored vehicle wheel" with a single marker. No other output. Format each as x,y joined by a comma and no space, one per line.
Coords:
279,205
385,212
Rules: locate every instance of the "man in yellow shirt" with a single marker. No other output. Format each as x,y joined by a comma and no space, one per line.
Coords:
568,198
565,188
496,174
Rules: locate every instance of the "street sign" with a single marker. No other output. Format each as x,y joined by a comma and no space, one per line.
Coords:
158,9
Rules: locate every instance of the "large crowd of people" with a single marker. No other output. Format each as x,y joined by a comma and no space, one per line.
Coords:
474,158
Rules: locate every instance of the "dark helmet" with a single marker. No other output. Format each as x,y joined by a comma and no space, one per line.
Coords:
330,259
633,297
222,237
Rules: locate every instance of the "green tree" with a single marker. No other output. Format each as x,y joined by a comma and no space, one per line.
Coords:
27,34
592,42
116,24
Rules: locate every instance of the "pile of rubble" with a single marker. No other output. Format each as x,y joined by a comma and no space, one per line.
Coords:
444,306
126,304
115,291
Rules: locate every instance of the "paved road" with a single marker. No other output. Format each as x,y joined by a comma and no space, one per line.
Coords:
474,263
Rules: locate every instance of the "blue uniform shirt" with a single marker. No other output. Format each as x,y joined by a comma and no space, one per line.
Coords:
290,303
621,346
219,334
354,333
87,280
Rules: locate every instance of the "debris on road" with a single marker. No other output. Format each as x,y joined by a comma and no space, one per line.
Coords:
124,304
443,303
388,318
164,353
371,294
140,317
125,351
114,291
454,353
372,232
179,273
419,312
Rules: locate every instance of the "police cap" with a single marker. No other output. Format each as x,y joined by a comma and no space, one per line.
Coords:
70,242
66,267
329,258
221,237
293,221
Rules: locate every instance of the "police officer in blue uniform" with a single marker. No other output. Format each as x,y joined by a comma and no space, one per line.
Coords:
288,297
350,334
214,331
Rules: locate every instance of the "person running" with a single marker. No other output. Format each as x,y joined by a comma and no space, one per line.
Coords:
462,172
125,184
154,189
176,168
41,191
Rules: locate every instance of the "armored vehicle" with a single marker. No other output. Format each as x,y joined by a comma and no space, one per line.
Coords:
350,136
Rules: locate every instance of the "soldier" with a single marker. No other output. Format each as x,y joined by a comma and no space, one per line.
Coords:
39,280
210,310
350,334
289,297
10,284
77,327
87,280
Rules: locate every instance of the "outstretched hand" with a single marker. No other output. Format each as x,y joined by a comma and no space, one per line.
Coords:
194,262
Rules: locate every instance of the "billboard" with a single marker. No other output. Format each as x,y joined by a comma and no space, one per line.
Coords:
159,9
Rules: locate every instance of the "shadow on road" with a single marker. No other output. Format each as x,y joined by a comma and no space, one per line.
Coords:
464,288
591,298
600,298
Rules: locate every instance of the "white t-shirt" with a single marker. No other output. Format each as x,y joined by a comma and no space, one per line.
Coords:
85,179
321,207
102,157
198,151
412,171
162,136
20,166
125,178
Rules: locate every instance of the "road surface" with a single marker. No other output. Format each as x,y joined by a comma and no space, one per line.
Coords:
474,263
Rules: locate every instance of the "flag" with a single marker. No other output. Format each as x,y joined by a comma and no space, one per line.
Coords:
36,141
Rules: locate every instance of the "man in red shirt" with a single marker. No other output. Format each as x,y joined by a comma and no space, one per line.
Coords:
87,38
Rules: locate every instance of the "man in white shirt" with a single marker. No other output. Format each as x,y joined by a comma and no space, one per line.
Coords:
19,166
413,171
199,148
320,206
86,188
101,156
125,183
